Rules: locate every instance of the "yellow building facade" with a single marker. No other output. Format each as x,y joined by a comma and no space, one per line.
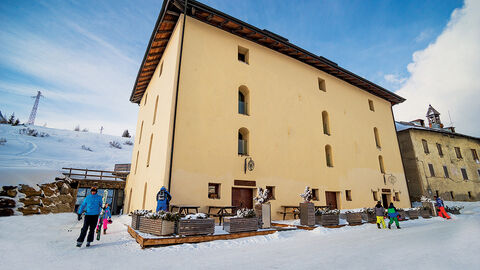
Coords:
241,115
440,162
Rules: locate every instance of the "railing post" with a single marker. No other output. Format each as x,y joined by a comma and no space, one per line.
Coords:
86,173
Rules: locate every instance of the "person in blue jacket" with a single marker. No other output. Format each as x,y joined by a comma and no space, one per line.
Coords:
92,205
163,199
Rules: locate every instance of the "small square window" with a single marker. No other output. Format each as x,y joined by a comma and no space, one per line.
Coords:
432,170
469,195
370,105
314,194
445,171
243,55
464,174
397,196
321,85
425,146
348,195
375,195
271,192
440,151
213,191
458,152
452,196
474,155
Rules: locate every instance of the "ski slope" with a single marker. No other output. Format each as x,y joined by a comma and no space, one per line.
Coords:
44,242
32,160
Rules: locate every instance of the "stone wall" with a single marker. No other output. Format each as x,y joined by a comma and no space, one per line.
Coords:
55,197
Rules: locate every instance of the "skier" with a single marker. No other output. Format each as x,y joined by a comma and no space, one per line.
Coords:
163,199
380,212
441,209
393,216
92,205
107,218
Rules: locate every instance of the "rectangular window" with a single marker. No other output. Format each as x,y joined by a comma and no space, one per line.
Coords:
243,55
425,146
469,195
439,148
478,171
271,192
445,171
213,191
464,174
397,196
436,193
432,170
370,105
348,195
375,195
474,155
242,147
314,194
452,196
321,85
458,152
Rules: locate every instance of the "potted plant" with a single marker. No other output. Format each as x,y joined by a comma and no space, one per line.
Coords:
263,209
244,221
368,214
196,224
136,217
328,217
161,223
353,218
307,209
413,213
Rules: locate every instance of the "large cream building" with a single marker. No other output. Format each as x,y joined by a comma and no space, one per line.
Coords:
226,107
439,161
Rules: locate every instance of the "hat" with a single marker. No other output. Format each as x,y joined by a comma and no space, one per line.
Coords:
93,189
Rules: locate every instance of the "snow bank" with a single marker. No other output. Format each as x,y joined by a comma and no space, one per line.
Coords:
32,160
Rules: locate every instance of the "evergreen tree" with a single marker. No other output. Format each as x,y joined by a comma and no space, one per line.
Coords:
11,119
126,134
16,122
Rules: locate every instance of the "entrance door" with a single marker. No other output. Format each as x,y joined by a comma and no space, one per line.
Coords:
242,197
385,200
331,198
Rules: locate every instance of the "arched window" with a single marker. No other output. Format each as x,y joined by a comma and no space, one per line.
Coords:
141,132
377,138
243,135
243,100
149,150
329,155
326,123
380,163
144,195
155,111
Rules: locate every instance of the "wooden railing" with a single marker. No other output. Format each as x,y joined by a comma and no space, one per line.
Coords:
86,174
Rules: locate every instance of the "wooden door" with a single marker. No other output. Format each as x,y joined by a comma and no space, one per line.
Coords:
331,198
386,200
242,197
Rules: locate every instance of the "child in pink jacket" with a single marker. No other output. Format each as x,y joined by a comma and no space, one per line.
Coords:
107,218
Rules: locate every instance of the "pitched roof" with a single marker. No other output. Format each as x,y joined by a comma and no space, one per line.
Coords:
402,126
170,12
431,110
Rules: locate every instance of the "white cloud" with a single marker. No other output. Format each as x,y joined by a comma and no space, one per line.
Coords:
394,79
445,74
424,35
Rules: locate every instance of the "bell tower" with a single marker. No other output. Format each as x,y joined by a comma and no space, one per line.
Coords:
433,117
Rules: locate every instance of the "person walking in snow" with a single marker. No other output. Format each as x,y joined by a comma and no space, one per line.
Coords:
163,199
441,207
380,212
393,216
107,218
91,205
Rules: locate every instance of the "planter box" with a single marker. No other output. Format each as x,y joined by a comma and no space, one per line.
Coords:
413,214
425,213
328,220
354,218
307,214
431,206
403,215
196,226
135,221
156,226
264,215
369,217
235,224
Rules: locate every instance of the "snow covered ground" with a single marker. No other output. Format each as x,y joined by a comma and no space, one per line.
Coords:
44,242
31,160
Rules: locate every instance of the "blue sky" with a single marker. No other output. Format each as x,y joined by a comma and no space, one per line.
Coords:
84,55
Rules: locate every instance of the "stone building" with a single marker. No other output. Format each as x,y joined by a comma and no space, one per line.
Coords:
225,107
439,161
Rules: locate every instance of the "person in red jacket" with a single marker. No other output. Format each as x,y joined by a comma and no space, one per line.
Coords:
441,207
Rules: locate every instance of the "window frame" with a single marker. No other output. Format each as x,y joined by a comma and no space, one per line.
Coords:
426,150
370,105
431,169
446,173
348,195
464,173
440,150
322,85
216,193
271,192
242,51
375,195
458,152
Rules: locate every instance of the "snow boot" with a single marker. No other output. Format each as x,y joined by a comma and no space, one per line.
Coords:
398,227
389,225
378,225
79,244
104,231
88,244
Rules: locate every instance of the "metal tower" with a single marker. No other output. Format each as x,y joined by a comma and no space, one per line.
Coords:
33,114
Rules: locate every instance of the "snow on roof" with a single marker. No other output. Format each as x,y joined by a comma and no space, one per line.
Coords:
401,126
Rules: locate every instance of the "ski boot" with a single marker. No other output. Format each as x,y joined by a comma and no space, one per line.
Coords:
389,226
88,244
104,231
378,225
398,227
79,244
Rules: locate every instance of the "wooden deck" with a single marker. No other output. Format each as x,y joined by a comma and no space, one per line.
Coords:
157,241
309,228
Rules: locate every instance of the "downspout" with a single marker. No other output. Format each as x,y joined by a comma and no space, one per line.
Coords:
176,98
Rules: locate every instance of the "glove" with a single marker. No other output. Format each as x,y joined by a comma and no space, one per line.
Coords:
79,216
110,221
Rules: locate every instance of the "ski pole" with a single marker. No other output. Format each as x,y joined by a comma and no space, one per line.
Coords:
74,225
